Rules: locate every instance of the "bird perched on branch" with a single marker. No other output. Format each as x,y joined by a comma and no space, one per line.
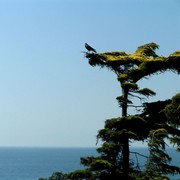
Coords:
89,48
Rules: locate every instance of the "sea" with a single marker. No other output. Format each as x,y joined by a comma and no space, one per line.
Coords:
17,163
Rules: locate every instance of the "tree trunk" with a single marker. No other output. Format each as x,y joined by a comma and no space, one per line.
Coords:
125,153
125,150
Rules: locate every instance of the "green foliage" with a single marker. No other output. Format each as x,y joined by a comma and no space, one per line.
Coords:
146,92
176,53
123,77
148,175
172,111
56,176
147,50
108,149
87,160
175,140
118,128
80,174
113,56
95,60
129,86
120,101
133,67
101,164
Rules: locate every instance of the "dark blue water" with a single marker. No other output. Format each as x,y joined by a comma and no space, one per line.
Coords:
33,163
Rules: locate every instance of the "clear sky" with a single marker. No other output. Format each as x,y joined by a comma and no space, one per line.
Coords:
49,94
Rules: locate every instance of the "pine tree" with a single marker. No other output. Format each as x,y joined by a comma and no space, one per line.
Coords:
129,68
114,160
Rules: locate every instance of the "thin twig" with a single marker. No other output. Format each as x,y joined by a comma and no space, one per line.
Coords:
139,154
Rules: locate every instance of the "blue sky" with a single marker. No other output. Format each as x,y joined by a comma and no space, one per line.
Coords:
49,94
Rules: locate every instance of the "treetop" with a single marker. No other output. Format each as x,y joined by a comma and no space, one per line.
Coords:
132,67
